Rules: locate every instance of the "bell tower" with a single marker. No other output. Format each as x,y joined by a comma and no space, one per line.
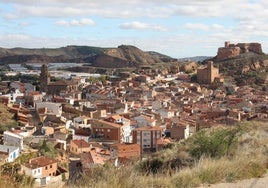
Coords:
44,78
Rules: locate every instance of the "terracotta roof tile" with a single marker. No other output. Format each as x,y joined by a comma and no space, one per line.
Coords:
81,143
40,162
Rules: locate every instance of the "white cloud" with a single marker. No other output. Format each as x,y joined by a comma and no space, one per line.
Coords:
81,22
240,9
24,24
11,16
141,26
203,27
11,40
197,26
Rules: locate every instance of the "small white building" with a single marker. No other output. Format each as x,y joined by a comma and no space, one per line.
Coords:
13,95
52,108
81,122
12,152
33,171
143,120
166,113
12,139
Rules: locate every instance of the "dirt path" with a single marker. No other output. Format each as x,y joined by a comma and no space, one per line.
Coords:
247,183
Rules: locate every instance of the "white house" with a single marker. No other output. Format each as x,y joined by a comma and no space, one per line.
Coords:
33,171
13,95
12,139
166,113
81,122
52,108
12,152
144,120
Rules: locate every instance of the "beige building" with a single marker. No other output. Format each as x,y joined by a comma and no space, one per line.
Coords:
79,146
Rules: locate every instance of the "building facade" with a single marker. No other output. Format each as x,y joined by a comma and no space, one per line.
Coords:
147,137
125,150
12,139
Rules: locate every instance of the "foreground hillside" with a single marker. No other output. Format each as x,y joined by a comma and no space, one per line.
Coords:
122,56
6,119
217,155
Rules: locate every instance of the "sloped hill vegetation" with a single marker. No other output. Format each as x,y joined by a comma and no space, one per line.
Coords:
7,120
220,154
246,69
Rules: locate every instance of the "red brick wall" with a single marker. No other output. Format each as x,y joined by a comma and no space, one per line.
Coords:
113,134
128,150
49,170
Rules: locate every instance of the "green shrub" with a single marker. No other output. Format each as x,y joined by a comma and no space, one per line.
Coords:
152,165
215,143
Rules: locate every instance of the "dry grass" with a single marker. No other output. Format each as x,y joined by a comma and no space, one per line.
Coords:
247,160
5,115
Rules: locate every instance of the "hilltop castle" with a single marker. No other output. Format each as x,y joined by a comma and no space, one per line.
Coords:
231,50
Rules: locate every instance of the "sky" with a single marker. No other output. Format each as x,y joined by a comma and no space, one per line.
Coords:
177,28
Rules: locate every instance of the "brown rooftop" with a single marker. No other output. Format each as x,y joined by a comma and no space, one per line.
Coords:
81,143
40,162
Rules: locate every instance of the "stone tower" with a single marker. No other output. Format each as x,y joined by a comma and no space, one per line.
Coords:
210,71
44,78
207,75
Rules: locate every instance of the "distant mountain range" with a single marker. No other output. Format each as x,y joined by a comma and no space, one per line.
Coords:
122,56
195,58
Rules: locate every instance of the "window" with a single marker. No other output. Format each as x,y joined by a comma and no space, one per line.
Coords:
50,166
46,168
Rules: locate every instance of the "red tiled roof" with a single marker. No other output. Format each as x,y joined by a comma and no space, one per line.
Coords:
110,124
80,143
40,162
149,128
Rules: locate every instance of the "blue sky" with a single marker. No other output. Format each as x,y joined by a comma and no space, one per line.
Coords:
177,28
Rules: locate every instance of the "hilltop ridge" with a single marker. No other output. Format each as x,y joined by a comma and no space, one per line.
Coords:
122,56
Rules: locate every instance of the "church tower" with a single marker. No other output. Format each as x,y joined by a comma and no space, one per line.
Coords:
44,78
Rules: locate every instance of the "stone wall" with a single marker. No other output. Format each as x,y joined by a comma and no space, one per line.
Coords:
232,50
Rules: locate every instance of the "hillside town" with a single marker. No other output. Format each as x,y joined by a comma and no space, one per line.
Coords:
75,124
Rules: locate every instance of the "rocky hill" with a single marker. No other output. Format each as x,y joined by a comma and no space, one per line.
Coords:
245,69
122,56
244,63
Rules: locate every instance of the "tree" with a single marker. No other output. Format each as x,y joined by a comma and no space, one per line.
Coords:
213,144
47,149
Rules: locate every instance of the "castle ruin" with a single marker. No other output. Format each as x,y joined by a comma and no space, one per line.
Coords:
231,50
